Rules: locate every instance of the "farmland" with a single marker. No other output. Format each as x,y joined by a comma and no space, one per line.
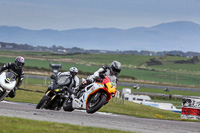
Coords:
135,67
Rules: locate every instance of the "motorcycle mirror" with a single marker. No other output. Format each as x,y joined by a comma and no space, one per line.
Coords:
55,67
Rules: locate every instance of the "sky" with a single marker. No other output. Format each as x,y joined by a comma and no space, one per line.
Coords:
73,14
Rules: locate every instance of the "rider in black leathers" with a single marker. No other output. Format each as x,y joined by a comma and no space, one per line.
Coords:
16,68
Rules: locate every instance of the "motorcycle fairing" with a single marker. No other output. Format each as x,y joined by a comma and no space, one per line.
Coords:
106,86
82,101
6,85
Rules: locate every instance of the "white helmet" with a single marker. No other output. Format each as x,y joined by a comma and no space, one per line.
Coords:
115,67
73,71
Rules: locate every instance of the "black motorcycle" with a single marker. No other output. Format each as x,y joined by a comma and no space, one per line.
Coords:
56,92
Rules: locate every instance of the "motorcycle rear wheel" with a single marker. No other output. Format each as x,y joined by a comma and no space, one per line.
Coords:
93,107
42,102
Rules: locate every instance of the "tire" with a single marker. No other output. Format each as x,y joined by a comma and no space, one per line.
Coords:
67,106
1,94
97,106
42,102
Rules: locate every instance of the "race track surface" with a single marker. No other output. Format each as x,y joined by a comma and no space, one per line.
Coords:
105,120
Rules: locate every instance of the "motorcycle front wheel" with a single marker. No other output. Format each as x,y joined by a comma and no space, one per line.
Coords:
95,105
42,102
1,94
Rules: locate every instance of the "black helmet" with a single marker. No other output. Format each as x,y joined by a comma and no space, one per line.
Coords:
19,61
115,67
73,71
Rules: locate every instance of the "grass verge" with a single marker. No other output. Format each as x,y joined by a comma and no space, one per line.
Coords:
19,125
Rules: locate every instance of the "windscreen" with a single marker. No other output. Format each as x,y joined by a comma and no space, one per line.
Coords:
113,79
63,80
10,76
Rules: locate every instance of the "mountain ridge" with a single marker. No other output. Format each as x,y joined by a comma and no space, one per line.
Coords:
178,35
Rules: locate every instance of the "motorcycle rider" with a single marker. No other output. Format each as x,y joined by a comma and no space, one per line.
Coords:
72,86
111,71
73,71
16,68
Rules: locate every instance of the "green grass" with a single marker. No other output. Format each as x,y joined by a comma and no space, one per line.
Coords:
161,91
27,96
140,74
173,58
180,74
181,68
36,81
19,125
44,64
162,77
101,59
106,59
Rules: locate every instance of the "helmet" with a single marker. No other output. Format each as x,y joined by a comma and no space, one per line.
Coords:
115,67
19,61
73,71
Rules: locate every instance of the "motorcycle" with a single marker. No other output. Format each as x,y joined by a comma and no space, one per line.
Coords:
56,92
92,97
7,84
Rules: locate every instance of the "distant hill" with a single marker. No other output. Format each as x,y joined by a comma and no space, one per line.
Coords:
179,35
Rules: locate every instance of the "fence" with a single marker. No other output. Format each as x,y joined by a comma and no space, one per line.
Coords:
36,80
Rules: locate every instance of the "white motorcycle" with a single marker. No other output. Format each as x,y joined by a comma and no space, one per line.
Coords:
92,97
7,84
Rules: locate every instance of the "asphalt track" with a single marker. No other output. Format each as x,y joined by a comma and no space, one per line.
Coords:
104,120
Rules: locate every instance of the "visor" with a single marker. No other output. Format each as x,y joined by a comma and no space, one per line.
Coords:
73,73
20,64
115,70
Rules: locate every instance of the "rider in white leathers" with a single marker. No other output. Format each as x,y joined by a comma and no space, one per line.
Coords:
73,73
111,71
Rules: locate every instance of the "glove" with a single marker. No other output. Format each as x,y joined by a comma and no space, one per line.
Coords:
102,76
89,81
113,95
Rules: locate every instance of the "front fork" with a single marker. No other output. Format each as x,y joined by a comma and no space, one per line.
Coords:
52,96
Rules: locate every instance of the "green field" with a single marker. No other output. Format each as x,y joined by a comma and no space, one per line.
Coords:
139,74
100,59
